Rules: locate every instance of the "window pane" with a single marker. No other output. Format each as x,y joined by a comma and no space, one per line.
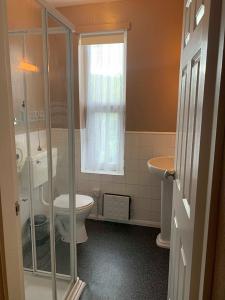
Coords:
102,85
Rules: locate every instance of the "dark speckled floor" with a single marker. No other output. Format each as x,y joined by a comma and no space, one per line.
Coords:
118,262
122,262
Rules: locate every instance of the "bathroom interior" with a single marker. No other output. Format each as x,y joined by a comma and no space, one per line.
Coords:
95,89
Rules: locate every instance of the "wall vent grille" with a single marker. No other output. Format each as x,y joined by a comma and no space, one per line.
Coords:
116,207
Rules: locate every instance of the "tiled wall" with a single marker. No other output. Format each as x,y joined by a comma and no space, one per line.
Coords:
143,187
22,176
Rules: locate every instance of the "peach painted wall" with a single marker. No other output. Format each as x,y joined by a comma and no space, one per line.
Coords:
152,59
26,14
23,14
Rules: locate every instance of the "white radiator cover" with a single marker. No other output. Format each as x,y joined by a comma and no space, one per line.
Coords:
116,207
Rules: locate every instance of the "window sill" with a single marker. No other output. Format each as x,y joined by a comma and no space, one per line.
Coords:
114,173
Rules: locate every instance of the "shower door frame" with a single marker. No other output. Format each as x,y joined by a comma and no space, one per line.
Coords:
71,154
24,33
68,29
75,285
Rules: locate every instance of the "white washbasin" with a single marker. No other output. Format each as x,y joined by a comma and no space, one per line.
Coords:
158,165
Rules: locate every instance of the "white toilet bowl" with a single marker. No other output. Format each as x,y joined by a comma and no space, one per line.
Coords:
84,205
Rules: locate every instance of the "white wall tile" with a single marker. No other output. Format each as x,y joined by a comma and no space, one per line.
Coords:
146,152
106,187
94,184
144,178
131,152
145,140
132,190
142,165
154,180
106,178
132,177
139,209
143,187
131,140
145,191
119,179
118,188
155,192
131,165
155,205
153,216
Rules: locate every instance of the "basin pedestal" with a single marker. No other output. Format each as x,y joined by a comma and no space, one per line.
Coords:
163,238
163,167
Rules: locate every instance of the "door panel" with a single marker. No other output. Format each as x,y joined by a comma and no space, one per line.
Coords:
191,128
173,264
180,121
187,21
194,124
184,129
181,273
199,11
185,183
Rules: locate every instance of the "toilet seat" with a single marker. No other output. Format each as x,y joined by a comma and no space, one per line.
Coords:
82,202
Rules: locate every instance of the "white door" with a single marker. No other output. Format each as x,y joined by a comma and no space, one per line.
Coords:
194,125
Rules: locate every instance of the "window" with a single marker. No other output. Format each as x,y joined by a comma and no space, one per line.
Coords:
102,81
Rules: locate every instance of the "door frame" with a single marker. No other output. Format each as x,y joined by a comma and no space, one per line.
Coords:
214,232
10,235
11,275
3,279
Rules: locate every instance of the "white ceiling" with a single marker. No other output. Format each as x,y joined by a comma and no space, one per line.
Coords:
75,2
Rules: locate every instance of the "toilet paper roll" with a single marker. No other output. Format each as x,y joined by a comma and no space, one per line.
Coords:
19,159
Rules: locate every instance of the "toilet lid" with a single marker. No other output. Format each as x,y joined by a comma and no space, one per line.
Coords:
82,201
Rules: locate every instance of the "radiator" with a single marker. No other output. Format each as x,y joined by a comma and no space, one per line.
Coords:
116,207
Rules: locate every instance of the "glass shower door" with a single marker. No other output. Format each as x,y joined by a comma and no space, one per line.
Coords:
27,73
42,95
17,54
61,142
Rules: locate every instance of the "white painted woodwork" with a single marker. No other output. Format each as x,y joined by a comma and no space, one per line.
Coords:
194,124
10,237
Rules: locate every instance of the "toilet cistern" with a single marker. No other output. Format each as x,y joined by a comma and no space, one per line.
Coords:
163,167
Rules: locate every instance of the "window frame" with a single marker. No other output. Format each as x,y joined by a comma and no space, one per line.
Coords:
83,105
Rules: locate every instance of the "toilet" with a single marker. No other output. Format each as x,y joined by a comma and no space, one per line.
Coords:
84,205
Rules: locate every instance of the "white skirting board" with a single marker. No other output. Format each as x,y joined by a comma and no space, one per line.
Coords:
130,222
76,290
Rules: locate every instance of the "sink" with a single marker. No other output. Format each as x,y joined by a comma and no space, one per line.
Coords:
163,167
158,165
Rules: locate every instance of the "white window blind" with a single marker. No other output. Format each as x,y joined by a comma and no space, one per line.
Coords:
102,82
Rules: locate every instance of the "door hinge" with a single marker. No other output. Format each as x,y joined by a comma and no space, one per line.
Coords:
17,208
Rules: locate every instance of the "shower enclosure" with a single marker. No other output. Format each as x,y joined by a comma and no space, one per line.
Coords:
42,87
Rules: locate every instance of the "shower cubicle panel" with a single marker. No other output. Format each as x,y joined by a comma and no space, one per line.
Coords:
60,135
22,136
40,57
26,58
